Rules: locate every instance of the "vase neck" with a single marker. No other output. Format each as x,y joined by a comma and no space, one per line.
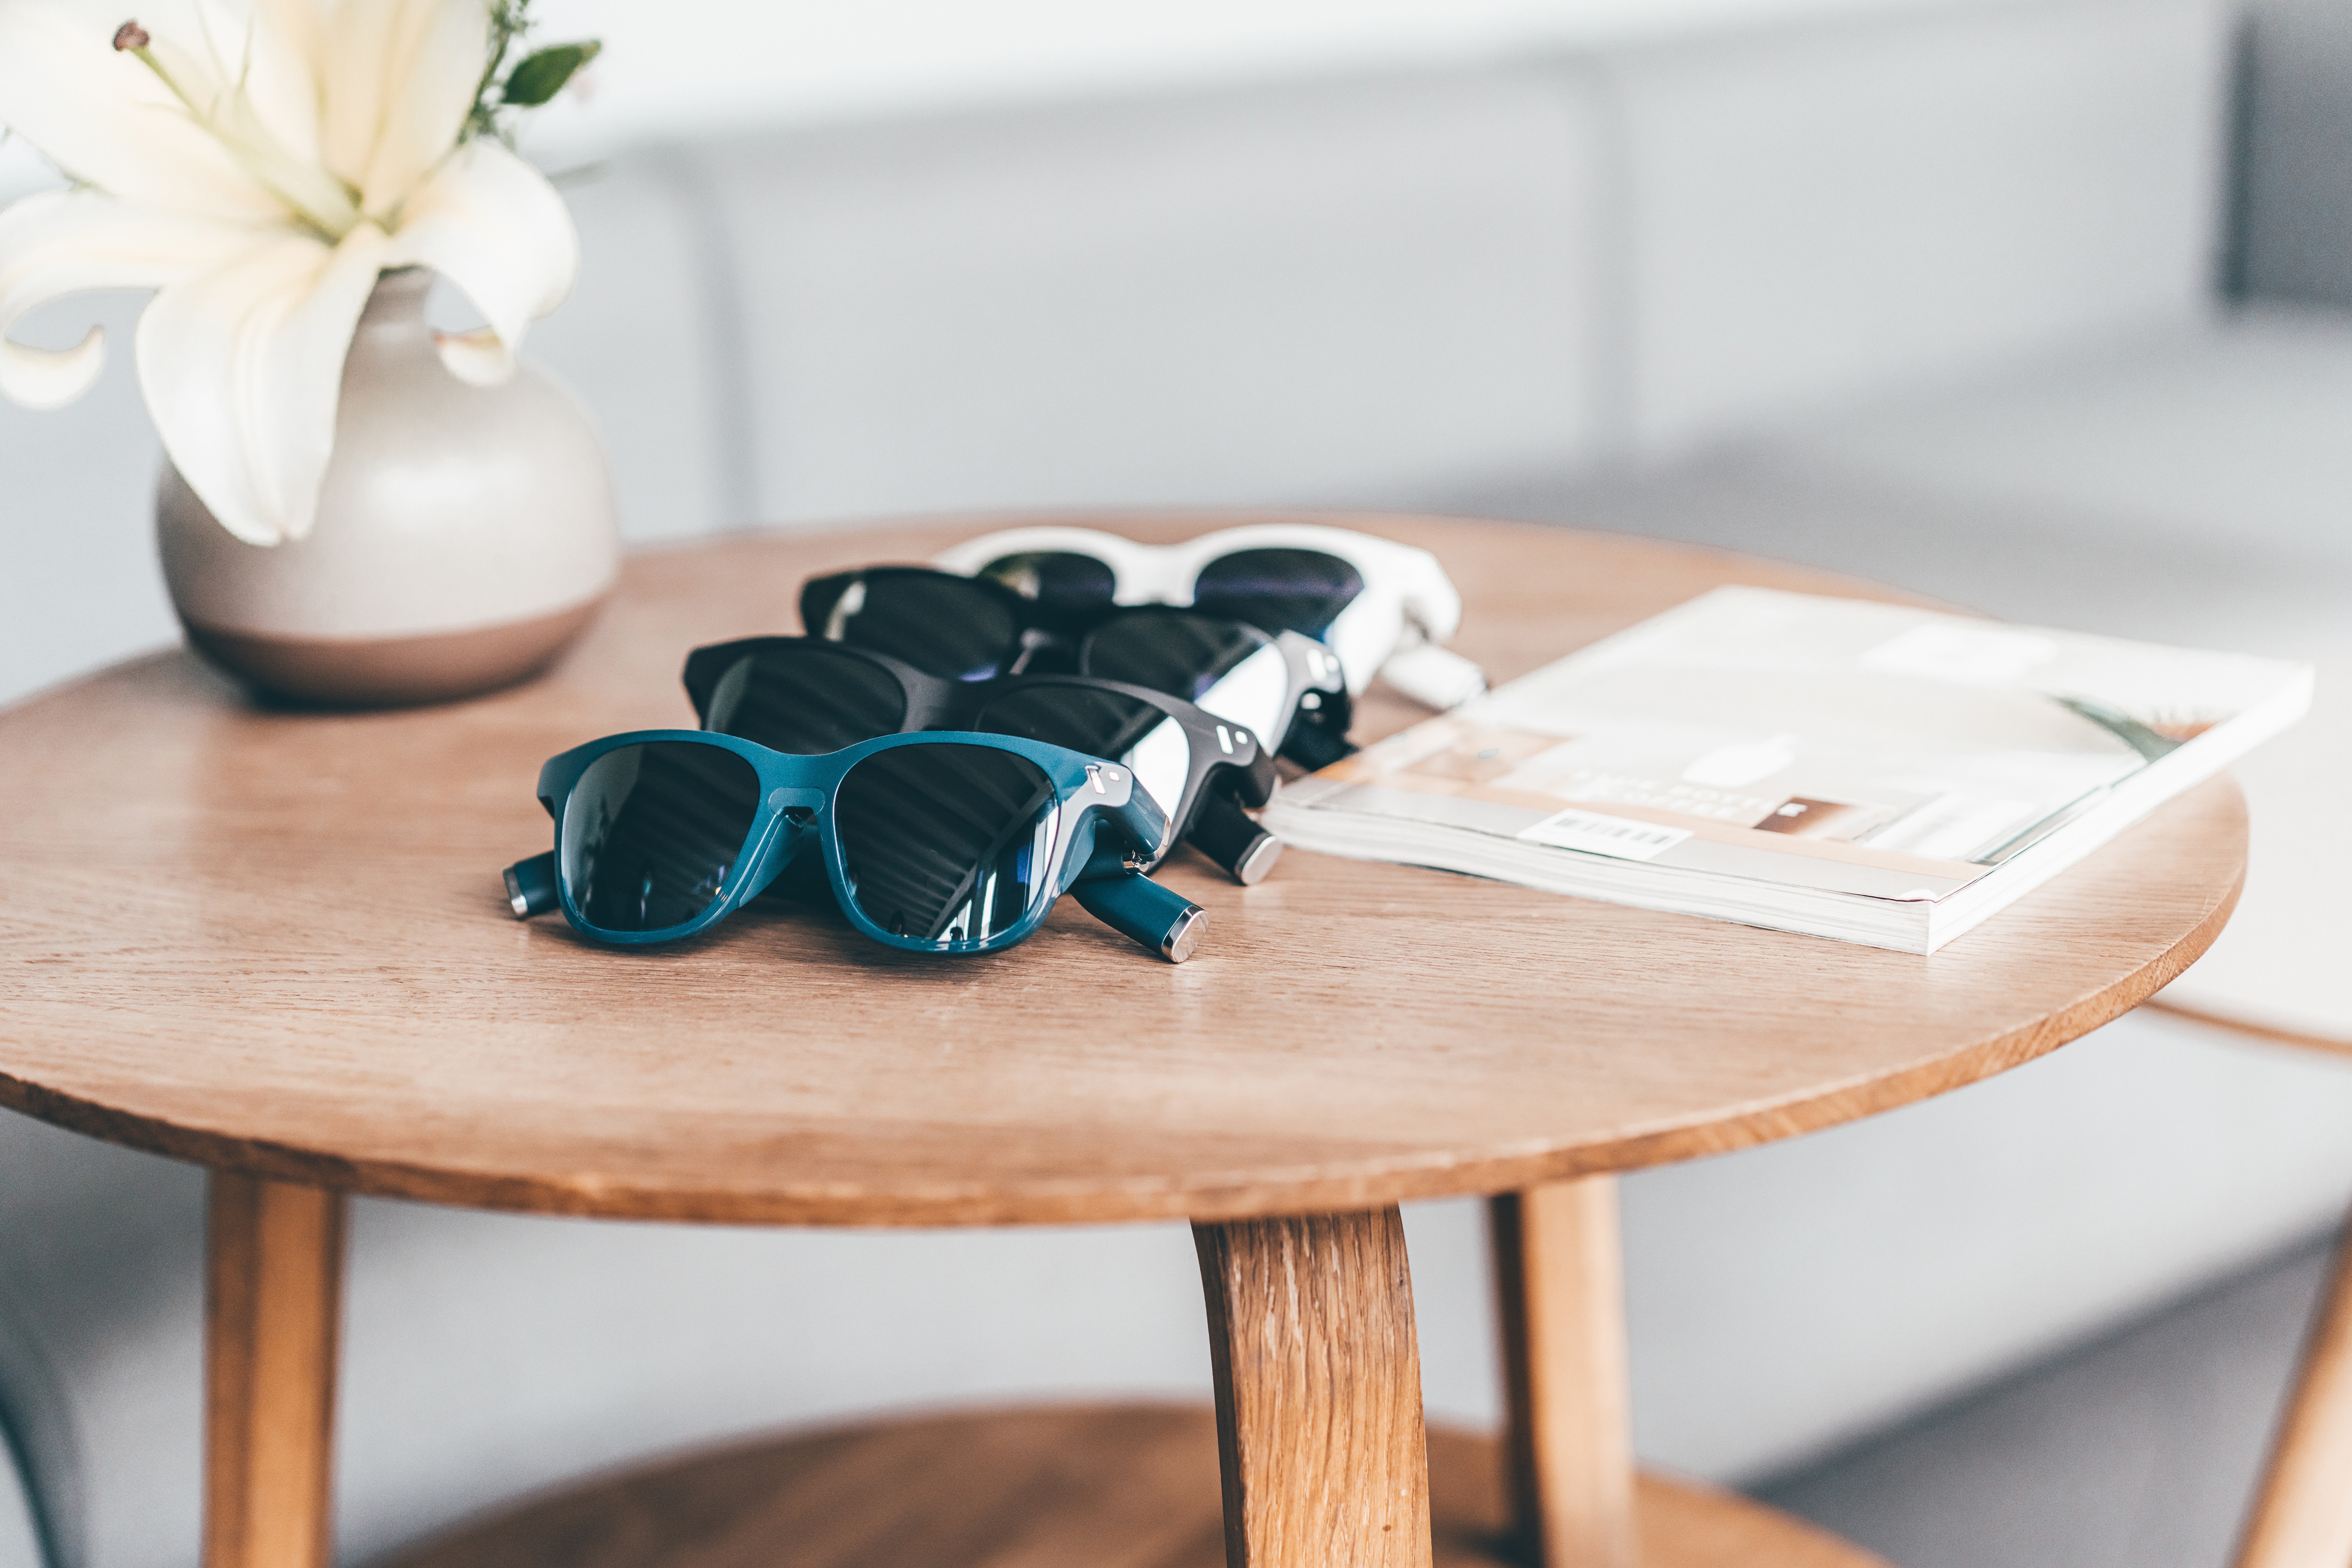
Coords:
392,329
399,300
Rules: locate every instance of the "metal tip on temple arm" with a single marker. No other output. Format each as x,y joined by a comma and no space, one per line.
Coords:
531,888
1258,861
1159,920
1184,936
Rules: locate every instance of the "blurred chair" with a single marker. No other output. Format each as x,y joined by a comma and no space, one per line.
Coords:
2303,1516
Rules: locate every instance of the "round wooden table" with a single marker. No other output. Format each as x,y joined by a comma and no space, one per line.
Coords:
275,944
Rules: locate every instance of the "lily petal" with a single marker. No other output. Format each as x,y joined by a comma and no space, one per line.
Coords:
492,225
301,24
256,83
479,358
104,117
67,242
243,368
266,49
216,77
398,77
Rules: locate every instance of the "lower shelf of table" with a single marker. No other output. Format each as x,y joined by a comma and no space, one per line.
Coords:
1094,1487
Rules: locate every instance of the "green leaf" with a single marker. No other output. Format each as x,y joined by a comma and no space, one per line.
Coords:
541,76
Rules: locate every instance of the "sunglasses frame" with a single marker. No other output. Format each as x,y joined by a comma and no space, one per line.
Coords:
1396,627
1103,793
1317,704
1218,749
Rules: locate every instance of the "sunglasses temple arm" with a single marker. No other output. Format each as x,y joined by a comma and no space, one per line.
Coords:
1438,679
1320,718
531,886
1314,742
1136,906
1227,834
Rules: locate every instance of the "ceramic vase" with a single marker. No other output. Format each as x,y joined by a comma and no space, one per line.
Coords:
465,537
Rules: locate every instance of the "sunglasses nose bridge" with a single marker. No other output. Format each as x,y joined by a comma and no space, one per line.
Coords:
837,619
792,812
791,826
786,798
1038,643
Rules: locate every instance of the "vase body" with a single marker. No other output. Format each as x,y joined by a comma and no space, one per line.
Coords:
464,536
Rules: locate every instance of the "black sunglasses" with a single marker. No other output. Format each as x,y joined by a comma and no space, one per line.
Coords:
809,696
1286,685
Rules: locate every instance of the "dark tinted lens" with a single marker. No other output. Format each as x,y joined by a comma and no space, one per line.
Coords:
1070,589
947,842
805,700
1280,590
652,833
1099,723
939,622
1173,651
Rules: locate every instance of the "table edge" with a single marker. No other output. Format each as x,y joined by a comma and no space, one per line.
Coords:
1375,1184
1371,1183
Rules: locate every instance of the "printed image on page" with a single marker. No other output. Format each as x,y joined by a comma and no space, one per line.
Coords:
1912,750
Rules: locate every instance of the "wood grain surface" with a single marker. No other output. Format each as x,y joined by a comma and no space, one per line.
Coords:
1559,1291
274,942
2303,1516
1126,1487
1318,1391
273,1319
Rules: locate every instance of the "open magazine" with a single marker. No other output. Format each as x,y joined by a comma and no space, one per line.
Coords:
1833,766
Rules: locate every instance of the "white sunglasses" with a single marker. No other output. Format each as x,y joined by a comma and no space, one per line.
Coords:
1382,607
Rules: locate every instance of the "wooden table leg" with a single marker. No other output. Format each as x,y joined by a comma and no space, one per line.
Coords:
1318,1392
273,1310
2304,1517
1559,1285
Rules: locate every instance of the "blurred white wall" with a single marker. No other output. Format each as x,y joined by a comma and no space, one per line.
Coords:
698,65
686,67
690,66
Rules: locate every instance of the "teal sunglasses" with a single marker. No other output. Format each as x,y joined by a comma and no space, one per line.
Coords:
934,842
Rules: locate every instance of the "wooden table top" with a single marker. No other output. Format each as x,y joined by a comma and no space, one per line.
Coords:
276,942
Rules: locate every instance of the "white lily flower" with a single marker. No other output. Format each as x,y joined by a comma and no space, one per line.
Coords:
259,171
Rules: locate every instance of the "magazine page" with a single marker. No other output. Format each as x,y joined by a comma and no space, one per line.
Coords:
1821,742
